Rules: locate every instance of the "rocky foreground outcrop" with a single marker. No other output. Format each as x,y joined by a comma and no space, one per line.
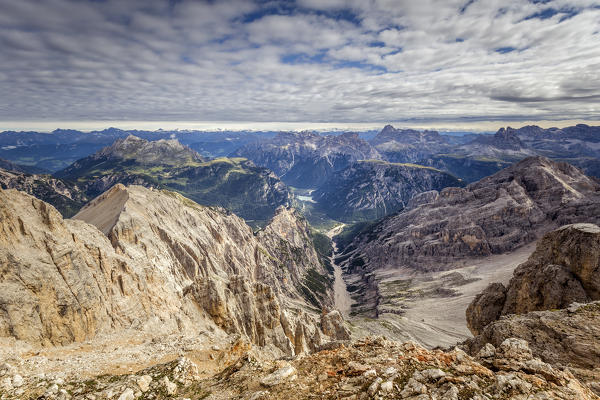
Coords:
566,338
564,268
155,261
543,304
372,368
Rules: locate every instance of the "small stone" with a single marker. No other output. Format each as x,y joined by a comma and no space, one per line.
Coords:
144,382
17,380
374,387
370,373
387,386
170,387
511,383
6,384
451,393
487,351
287,372
356,368
258,395
390,371
322,377
433,374
127,395
53,388
413,388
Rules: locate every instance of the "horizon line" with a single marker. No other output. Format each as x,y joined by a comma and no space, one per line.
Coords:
95,125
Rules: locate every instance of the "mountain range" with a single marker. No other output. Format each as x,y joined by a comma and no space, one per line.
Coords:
147,270
234,183
307,159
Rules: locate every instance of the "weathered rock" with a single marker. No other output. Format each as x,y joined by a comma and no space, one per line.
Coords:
564,268
332,325
144,382
284,373
558,337
170,387
486,307
128,395
157,256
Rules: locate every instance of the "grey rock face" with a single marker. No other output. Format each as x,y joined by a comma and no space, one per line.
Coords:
156,261
567,337
564,268
369,190
494,215
486,307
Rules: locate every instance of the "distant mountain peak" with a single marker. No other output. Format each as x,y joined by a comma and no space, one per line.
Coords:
151,152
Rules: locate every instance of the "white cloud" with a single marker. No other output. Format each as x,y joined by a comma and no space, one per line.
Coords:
322,61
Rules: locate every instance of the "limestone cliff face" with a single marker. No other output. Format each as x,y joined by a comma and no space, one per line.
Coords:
564,268
154,260
60,280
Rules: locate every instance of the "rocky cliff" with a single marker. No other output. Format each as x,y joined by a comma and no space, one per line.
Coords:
372,189
564,268
158,262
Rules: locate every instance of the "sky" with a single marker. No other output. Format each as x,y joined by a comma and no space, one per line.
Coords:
451,63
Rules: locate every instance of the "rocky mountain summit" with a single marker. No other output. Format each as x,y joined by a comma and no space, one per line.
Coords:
236,184
372,189
154,261
161,151
578,145
307,159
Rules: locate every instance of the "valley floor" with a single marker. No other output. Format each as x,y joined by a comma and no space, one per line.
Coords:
430,308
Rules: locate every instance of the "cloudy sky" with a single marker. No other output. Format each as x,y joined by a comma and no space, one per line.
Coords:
319,61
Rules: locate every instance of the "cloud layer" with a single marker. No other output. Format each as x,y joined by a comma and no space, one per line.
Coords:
308,60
